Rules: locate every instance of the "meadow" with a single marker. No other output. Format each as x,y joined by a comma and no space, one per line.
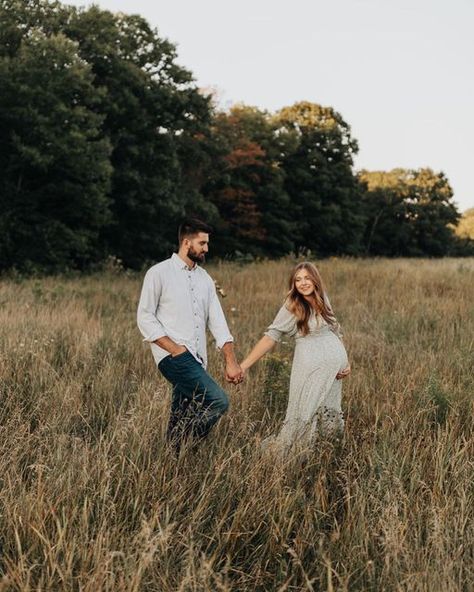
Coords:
92,500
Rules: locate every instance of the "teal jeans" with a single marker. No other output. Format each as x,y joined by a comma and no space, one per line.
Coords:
197,401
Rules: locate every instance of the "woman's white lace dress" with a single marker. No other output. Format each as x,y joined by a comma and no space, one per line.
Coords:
314,403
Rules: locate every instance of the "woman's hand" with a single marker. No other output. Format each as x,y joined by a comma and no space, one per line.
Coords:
343,373
233,372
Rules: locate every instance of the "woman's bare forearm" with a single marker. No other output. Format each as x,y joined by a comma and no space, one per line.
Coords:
261,348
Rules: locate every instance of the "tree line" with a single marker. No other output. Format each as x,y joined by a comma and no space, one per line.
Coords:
107,142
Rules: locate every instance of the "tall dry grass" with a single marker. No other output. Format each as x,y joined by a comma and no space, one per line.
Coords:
92,500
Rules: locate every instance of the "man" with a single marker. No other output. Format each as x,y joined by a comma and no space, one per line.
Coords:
177,302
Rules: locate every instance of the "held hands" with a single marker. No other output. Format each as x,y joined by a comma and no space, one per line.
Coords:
234,373
240,377
344,373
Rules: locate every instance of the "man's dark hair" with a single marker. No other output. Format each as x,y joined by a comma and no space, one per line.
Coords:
192,226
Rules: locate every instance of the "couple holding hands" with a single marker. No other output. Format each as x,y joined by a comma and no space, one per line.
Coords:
179,301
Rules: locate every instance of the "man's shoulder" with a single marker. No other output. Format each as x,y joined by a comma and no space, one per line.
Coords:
160,267
205,275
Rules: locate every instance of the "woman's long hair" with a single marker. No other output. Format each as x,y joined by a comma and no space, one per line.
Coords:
300,307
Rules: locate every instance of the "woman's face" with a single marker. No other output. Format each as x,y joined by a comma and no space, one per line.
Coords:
303,283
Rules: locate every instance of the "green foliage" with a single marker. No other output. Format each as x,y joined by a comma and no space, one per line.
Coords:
246,184
409,213
149,102
317,156
107,142
440,401
93,106
55,161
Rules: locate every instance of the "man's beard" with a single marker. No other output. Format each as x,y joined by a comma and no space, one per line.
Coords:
195,257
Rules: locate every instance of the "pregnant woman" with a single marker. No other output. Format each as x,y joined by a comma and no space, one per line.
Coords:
320,360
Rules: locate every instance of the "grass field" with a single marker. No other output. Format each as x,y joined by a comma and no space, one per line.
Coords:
91,500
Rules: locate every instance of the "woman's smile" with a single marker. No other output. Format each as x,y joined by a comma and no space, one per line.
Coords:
304,285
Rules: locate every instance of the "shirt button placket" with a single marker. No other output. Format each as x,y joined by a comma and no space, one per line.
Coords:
194,308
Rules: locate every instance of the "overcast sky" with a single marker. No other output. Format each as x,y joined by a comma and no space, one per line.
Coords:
401,72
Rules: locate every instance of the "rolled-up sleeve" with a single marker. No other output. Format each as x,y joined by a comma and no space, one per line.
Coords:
150,327
216,320
283,323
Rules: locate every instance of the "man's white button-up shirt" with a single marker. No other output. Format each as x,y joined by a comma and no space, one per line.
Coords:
179,302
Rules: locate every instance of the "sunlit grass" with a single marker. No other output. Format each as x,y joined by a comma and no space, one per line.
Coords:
92,500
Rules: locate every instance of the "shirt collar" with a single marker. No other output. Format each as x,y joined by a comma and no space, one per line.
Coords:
181,264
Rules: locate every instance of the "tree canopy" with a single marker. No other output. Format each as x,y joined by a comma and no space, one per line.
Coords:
54,187
317,152
409,212
107,142
465,229
128,103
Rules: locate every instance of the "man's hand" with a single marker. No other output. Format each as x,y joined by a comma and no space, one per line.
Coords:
180,349
233,372
344,373
170,346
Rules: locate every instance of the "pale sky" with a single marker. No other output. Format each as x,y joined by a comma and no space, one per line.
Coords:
401,72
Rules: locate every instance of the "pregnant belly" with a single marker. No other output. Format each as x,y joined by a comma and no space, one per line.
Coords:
325,351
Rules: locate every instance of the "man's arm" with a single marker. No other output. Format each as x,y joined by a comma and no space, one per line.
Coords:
224,340
150,327
170,346
233,371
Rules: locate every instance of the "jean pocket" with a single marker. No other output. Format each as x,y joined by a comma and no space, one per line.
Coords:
179,356
173,368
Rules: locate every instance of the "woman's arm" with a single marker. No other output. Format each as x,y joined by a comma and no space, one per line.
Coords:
261,348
